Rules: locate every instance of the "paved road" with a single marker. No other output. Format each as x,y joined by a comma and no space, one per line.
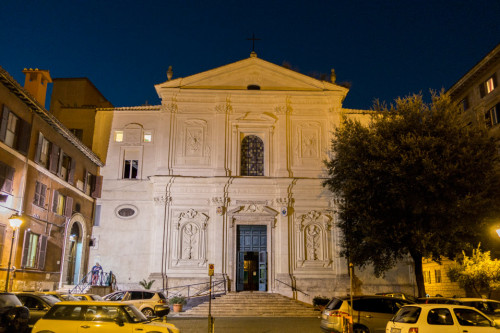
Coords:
248,325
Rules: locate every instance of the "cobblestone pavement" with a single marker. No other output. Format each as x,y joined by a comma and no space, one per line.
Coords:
248,325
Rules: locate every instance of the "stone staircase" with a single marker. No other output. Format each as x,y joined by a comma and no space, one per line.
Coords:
252,304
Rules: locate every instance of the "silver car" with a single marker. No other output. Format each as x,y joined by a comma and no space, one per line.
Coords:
370,313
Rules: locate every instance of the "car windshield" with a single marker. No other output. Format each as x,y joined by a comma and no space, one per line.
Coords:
334,304
135,315
407,314
9,300
70,298
50,299
115,297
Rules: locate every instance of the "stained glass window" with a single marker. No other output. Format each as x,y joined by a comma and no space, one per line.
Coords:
252,156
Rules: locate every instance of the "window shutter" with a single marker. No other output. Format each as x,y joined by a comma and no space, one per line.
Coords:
26,246
42,246
4,123
55,200
23,140
71,174
9,179
54,158
3,174
495,80
68,208
97,188
85,181
43,193
39,147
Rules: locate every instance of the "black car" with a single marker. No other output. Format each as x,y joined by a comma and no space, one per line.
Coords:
14,316
37,303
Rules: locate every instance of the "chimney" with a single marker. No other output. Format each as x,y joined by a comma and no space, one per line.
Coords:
36,83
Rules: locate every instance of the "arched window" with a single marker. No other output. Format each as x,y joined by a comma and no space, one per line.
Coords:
252,156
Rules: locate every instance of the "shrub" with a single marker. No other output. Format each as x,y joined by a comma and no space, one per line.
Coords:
177,300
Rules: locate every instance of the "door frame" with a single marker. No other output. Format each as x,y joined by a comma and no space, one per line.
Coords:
251,214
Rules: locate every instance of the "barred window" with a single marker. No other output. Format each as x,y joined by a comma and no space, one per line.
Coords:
252,156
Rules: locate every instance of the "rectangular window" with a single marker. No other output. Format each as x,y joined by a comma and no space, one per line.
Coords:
6,178
78,132
2,239
34,250
492,116
148,136
130,169
10,135
488,86
427,277
464,104
14,131
58,203
118,136
437,275
42,155
40,193
65,167
97,218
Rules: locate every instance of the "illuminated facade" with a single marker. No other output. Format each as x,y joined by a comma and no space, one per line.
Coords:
228,170
50,178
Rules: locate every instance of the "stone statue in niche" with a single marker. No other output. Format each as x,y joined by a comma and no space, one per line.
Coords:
313,242
189,241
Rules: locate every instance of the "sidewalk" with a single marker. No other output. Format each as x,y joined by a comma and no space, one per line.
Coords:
246,324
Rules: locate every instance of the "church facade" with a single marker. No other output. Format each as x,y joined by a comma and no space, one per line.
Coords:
228,170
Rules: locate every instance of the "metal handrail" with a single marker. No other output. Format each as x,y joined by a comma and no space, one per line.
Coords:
100,279
197,289
293,288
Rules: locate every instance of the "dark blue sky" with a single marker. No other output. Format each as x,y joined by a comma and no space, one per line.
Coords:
385,49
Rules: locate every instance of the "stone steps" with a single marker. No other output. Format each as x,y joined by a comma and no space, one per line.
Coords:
252,304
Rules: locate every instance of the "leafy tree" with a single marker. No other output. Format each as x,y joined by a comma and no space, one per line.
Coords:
417,180
478,272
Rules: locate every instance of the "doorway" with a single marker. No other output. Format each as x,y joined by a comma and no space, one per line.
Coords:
74,255
251,271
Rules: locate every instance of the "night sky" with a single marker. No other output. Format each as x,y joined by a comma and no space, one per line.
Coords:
384,49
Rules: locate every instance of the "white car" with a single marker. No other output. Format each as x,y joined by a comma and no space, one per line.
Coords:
442,318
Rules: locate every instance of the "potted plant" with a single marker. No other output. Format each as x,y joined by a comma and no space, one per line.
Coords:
177,302
320,302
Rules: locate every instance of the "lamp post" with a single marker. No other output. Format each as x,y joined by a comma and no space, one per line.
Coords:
15,222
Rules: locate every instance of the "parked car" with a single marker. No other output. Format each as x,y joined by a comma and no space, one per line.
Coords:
438,300
442,318
88,297
487,306
106,317
399,295
143,300
14,316
370,313
37,303
61,296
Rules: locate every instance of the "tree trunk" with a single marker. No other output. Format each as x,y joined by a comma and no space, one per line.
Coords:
419,275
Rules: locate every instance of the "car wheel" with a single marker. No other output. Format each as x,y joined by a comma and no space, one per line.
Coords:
148,312
360,329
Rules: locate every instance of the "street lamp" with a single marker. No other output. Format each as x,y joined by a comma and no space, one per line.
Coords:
15,222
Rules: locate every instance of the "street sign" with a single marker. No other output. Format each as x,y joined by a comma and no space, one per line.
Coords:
211,269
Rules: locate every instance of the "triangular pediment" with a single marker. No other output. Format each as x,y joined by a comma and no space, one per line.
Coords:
251,73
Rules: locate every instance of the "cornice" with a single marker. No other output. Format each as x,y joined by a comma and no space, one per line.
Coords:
37,108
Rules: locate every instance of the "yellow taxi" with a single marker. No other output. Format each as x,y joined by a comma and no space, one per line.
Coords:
100,316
